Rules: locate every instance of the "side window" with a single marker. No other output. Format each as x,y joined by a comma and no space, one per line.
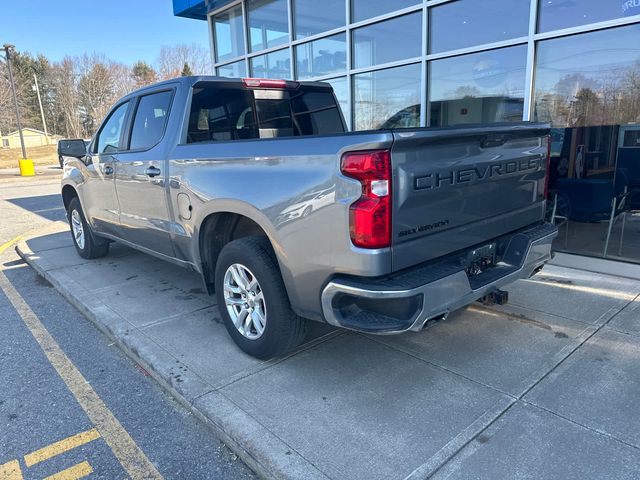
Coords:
221,114
109,136
150,120
316,113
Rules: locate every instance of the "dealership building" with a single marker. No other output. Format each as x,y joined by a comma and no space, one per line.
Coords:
409,63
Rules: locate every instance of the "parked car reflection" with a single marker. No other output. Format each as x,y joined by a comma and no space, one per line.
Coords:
305,204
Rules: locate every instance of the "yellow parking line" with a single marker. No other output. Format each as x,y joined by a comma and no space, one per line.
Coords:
79,470
130,456
11,471
60,447
8,244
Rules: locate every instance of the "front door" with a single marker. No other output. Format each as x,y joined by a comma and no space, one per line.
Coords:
141,177
100,203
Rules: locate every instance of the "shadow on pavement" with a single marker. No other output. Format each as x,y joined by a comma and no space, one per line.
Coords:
49,207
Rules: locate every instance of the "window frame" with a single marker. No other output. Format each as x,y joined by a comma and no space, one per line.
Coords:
212,21
132,118
220,85
125,124
234,85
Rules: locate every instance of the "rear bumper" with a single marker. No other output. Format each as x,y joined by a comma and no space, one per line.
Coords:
409,299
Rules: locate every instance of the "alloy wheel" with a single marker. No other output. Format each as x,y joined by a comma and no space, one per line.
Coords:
78,229
245,302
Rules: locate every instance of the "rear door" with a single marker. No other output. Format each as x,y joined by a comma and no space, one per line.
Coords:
141,176
459,187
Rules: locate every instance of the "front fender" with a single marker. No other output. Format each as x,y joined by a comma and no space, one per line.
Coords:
72,177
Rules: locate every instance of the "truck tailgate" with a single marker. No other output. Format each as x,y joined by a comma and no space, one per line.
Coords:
454,188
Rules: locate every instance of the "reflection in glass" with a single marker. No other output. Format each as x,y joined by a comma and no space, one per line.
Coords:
308,21
480,87
229,34
236,69
466,23
363,9
379,43
589,79
321,57
557,14
272,65
340,90
268,24
587,86
380,95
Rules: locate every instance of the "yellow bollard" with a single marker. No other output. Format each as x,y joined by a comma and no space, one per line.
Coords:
26,168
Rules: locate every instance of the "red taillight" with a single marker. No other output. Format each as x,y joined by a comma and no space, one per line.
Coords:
370,215
268,83
548,172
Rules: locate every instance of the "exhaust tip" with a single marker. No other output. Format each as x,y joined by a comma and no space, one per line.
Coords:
430,322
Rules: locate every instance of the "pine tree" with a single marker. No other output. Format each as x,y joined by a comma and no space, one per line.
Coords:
186,70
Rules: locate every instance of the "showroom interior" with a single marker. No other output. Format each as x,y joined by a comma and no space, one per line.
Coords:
439,63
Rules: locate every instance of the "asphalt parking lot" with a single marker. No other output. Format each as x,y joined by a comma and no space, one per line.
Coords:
72,405
545,387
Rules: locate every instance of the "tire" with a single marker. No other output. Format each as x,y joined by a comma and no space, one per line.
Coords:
87,244
282,329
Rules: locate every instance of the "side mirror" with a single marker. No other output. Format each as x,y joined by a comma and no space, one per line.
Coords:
72,148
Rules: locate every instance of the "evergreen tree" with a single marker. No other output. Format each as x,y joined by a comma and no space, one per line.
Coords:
186,70
143,74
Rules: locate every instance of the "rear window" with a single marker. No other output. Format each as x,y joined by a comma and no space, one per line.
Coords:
631,138
222,113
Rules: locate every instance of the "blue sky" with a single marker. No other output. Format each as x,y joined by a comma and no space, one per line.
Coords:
124,30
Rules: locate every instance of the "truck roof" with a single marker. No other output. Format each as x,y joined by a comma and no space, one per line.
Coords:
191,80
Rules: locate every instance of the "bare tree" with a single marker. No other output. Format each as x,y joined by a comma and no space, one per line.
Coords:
121,77
67,102
78,92
173,59
102,82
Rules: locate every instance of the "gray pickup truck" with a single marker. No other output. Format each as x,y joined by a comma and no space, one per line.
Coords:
256,185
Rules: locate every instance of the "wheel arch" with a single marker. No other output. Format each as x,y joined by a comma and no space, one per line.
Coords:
68,193
221,227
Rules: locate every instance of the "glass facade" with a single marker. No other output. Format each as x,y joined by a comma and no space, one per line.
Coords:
321,57
478,87
378,43
268,23
228,34
476,23
408,63
272,65
307,22
384,94
558,14
365,9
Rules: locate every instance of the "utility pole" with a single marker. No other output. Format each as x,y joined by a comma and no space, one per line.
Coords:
44,123
7,49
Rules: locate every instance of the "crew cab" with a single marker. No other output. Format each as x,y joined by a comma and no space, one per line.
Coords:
256,185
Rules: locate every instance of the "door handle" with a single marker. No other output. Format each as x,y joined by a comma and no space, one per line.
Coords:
108,170
152,172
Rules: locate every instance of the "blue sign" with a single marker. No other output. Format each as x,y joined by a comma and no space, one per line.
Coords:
630,7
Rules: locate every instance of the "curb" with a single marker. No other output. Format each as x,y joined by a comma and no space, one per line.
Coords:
266,454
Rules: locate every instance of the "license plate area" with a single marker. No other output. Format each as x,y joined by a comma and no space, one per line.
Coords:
481,258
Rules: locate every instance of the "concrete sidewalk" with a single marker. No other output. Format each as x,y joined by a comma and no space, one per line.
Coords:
546,387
